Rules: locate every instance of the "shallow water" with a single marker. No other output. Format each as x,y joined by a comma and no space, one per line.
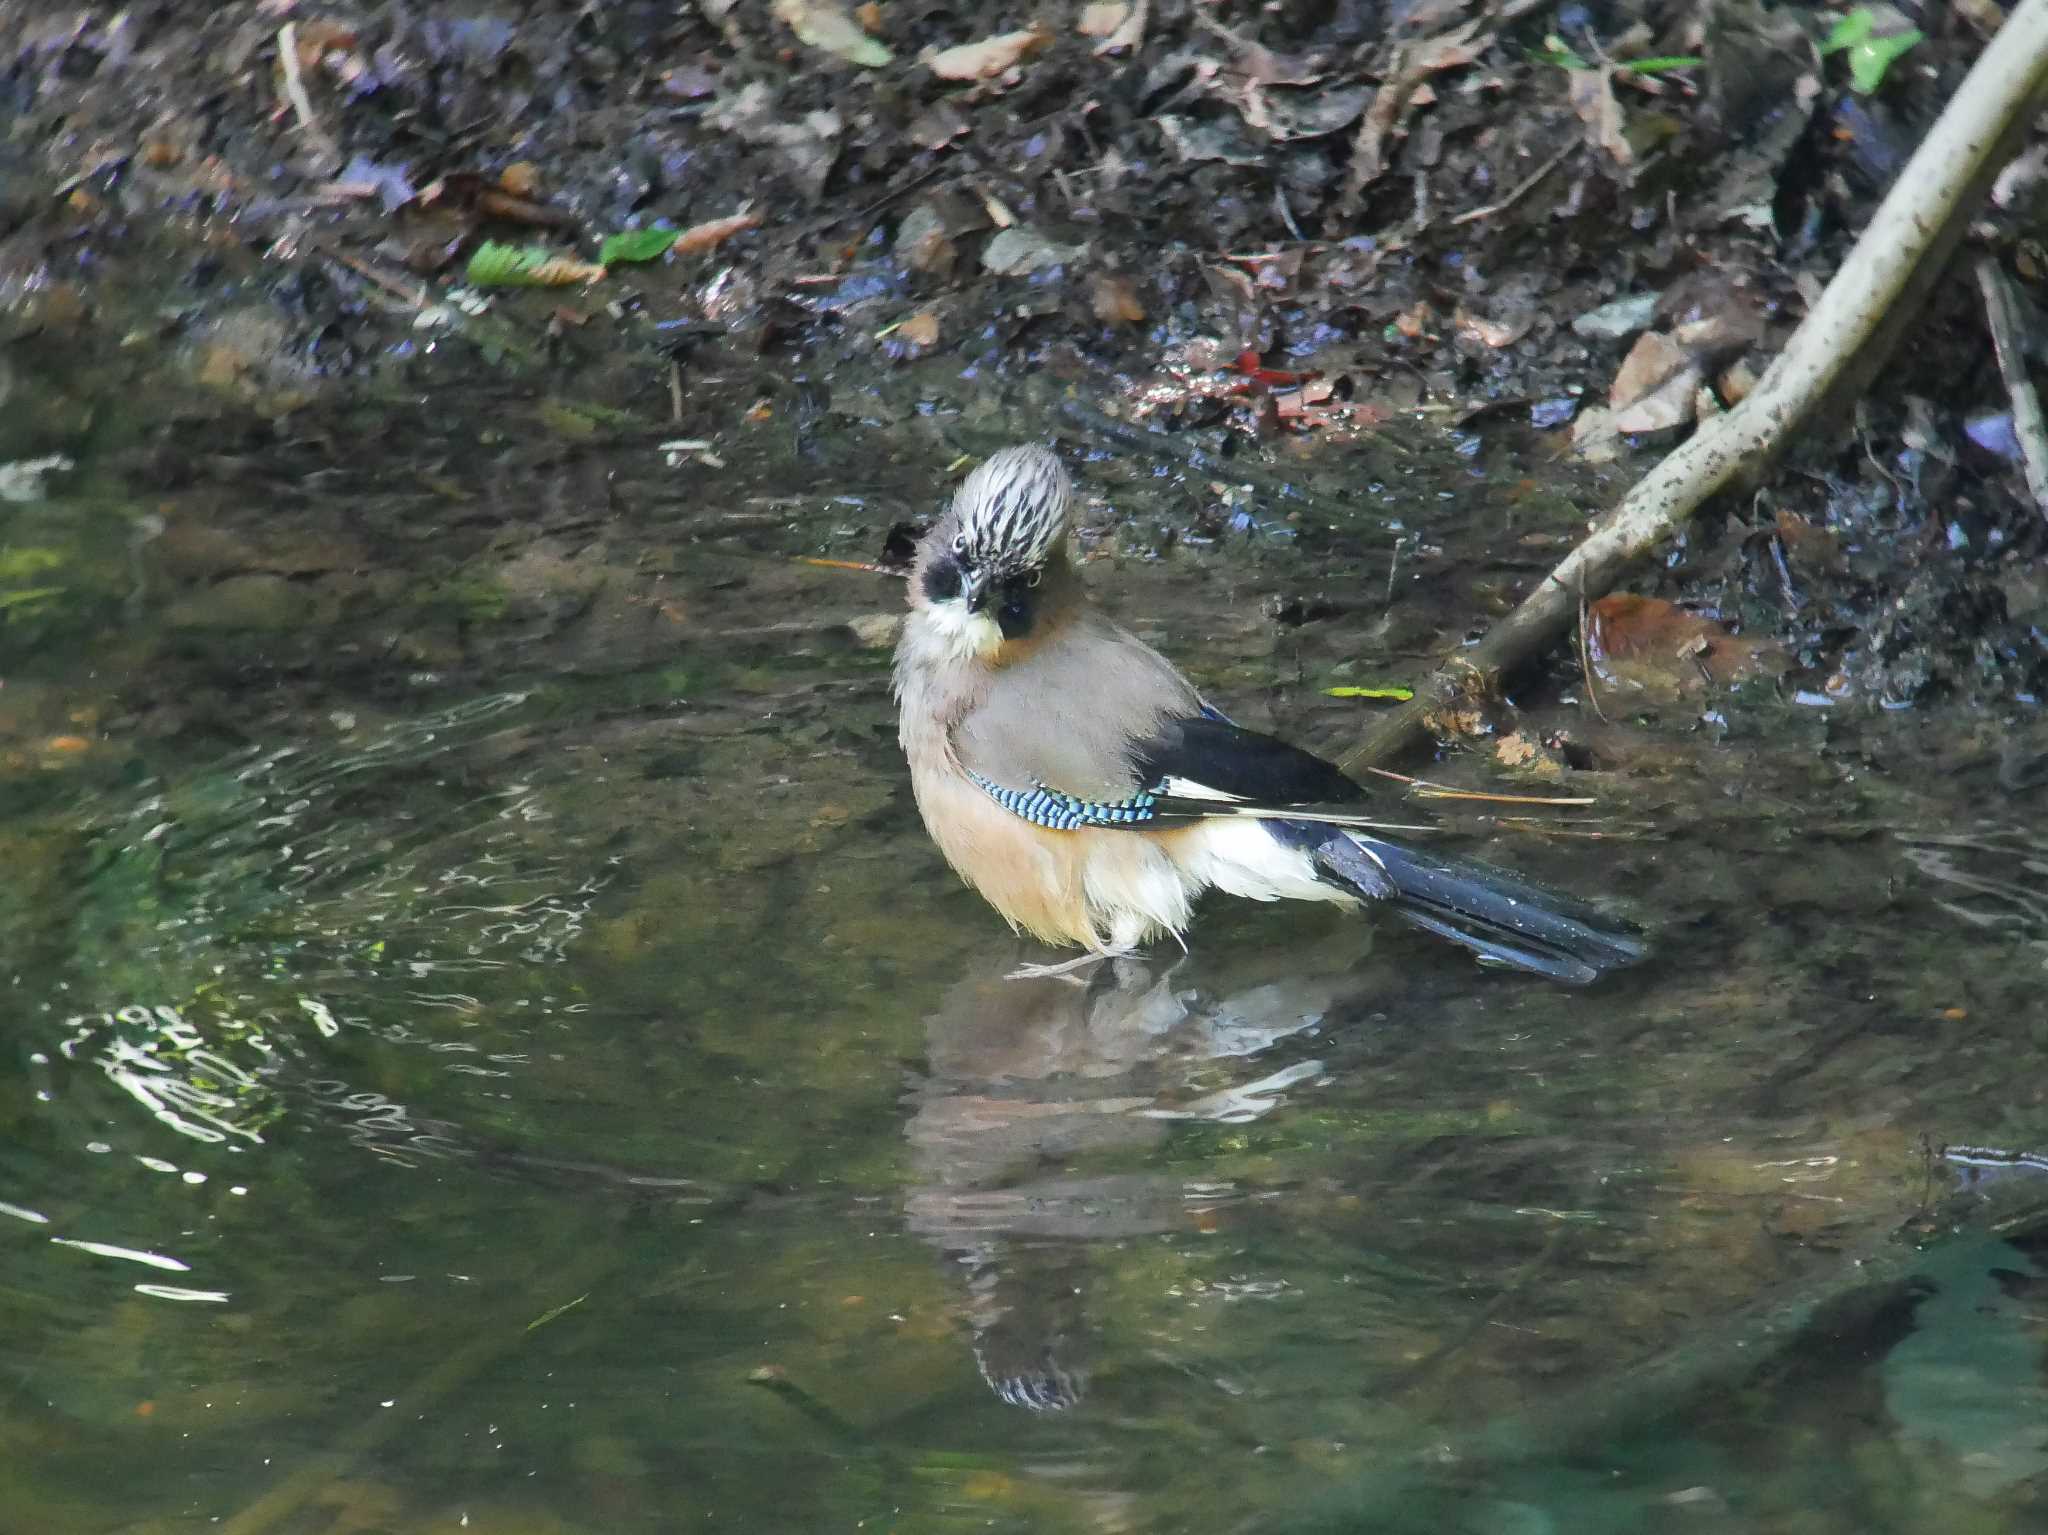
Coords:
491,1044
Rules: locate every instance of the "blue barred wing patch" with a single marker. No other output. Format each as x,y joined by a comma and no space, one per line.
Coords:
1063,812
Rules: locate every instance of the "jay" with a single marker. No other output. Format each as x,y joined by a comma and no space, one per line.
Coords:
1075,778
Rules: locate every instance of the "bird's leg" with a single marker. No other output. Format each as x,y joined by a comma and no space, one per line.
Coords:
1066,968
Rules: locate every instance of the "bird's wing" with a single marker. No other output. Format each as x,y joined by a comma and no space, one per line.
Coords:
1206,758
1202,766
1098,729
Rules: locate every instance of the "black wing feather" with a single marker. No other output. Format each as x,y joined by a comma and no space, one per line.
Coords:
1261,770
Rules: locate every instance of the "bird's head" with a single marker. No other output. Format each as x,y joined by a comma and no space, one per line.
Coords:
987,570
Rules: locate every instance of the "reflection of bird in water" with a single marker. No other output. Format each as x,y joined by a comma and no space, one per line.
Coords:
1028,1077
1080,783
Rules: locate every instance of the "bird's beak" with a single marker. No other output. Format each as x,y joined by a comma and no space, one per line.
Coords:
974,589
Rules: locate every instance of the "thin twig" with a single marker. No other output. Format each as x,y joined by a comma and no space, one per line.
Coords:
295,91
2008,339
1586,662
1423,788
1287,213
861,565
1473,215
414,295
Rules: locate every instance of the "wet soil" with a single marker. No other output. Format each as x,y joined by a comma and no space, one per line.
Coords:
1175,235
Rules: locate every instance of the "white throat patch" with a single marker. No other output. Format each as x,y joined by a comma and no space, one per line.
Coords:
959,635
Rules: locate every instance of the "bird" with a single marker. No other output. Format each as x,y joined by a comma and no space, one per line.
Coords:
1072,775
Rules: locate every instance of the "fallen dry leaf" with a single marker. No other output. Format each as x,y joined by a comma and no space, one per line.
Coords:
1102,18
1130,33
1014,252
1493,333
1528,757
921,329
561,272
1653,359
712,232
1414,322
1302,401
1812,548
824,26
989,57
1656,646
521,178
998,211
1737,381
1116,301
1672,403
1592,97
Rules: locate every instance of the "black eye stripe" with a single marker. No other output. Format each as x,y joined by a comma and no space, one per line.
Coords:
942,580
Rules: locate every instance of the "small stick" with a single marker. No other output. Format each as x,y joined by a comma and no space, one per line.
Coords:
415,296
1586,662
871,569
1473,215
1425,789
675,390
2002,311
295,90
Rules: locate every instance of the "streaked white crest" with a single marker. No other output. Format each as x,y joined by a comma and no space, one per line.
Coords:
1013,509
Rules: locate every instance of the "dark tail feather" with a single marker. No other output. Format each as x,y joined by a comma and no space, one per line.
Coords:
1499,916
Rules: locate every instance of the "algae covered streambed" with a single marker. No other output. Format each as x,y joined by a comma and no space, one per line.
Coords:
490,1045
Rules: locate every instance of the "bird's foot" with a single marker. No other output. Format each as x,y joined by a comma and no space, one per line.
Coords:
1065,969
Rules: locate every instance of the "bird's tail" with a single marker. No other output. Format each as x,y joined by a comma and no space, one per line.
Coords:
1501,917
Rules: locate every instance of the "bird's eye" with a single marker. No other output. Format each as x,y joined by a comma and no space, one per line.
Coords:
959,543
1034,578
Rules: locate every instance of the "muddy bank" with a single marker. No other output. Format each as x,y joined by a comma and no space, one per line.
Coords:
1246,251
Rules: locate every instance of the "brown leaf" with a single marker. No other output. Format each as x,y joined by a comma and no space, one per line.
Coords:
1653,359
920,330
1102,18
1672,403
1132,31
712,232
520,178
1414,322
1656,646
561,272
823,25
1737,381
989,57
1116,300
1493,333
1592,97
1811,547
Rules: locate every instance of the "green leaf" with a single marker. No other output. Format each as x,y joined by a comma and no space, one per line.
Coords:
1870,59
28,596
636,245
1849,31
548,1316
1561,56
1663,64
1393,694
